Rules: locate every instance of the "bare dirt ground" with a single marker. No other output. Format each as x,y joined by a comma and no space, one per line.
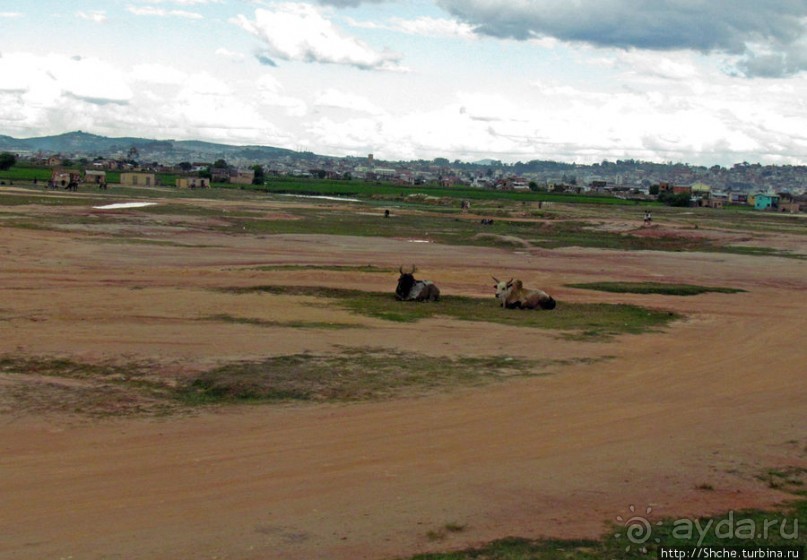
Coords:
712,401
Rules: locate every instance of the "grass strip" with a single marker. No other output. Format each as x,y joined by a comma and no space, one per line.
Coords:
653,288
594,320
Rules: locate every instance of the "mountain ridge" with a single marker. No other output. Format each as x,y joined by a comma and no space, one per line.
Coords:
79,143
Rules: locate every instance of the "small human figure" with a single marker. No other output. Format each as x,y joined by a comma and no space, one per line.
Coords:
648,218
386,213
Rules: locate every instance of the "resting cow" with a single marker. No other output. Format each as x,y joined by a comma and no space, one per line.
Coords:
512,295
410,289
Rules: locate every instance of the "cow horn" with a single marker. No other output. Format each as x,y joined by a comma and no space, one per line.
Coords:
495,279
414,269
400,269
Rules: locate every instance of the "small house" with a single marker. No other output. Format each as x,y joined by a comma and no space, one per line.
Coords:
243,177
65,178
135,179
766,201
738,198
219,175
193,183
95,177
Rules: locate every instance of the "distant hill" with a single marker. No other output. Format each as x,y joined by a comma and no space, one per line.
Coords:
83,144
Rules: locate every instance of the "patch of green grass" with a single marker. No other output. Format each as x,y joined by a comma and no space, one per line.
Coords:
124,240
351,375
450,229
791,479
188,209
653,288
591,319
749,529
762,252
60,367
225,318
26,173
48,199
45,385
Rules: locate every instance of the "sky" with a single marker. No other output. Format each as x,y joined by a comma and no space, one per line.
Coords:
706,82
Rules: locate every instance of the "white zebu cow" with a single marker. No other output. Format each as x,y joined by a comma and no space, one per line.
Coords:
512,295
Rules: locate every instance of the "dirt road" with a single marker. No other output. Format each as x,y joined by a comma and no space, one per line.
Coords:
681,421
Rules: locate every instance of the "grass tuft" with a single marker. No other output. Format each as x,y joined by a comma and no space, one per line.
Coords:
226,318
653,288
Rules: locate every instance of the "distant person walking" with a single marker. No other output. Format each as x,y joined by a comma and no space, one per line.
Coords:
648,219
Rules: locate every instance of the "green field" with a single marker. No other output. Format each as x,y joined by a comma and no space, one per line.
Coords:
389,191
520,221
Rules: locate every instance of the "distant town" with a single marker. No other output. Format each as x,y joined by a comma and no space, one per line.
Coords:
80,158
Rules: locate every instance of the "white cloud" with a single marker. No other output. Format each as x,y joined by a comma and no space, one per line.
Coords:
55,93
423,26
183,2
434,27
336,99
45,78
271,94
302,33
10,15
644,65
96,16
149,11
158,74
231,55
489,107
349,3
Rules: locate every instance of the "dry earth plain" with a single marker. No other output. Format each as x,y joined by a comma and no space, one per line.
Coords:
104,312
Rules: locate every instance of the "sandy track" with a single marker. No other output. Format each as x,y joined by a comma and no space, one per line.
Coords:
713,400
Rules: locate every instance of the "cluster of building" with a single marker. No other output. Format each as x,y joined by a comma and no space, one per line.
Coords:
703,195
776,188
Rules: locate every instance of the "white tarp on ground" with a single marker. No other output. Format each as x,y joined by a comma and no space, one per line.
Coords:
118,205
323,197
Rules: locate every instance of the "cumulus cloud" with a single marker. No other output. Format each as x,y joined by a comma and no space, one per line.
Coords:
160,12
232,55
302,33
43,78
51,94
271,94
182,2
158,74
349,3
423,26
336,99
730,27
97,16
